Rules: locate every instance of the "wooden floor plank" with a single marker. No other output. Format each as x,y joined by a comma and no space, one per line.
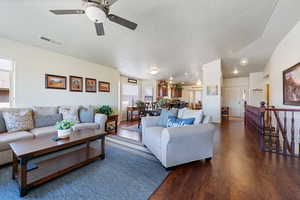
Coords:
238,171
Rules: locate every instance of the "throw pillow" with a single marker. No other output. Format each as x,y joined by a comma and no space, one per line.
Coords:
197,114
43,110
177,122
70,113
46,120
163,118
18,120
86,115
2,124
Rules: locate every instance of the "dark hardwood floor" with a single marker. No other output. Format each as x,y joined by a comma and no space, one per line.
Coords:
238,171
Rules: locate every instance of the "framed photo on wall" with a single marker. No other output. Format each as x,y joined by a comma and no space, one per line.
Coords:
212,90
291,86
104,86
90,85
76,84
55,82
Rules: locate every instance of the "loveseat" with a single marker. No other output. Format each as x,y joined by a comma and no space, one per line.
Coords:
43,121
178,145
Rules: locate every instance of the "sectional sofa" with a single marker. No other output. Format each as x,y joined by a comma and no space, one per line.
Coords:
42,123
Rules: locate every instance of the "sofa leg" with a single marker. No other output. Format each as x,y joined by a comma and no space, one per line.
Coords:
208,159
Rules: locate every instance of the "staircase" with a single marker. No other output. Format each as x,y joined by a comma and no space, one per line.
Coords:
276,128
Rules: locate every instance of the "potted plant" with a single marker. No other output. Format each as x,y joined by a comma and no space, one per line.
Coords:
64,128
107,110
140,104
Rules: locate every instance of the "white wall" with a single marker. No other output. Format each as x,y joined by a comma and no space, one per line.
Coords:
212,75
256,88
31,65
286,54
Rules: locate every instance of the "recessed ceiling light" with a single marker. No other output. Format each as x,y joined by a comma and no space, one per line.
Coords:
154,70
171,78
186,73
244,61
235,71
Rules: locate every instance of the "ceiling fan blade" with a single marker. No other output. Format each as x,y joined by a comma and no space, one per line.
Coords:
122,21
99,29
68,12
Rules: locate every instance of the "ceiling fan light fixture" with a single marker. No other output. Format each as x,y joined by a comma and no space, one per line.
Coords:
95,14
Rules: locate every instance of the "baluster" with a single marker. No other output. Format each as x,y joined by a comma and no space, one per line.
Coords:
299,143
284,135
263,131
277,139
293,134
270,132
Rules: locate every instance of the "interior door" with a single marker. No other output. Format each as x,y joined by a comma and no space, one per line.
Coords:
234,98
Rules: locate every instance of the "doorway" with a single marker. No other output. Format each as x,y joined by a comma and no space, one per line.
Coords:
234,98
6,83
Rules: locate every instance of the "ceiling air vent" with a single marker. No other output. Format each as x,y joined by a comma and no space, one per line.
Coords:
49,40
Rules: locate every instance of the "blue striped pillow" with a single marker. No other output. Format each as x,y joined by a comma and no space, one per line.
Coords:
177,122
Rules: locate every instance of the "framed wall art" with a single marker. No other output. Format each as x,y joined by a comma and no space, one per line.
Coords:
90,85
55,82
76,84
212,90
291,86
104,86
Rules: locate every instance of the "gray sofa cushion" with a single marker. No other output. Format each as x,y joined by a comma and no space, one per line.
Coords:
86,115
6,138
43,110
164,115
46,120
83,126
39,132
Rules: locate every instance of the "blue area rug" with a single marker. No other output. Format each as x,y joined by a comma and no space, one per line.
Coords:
125,174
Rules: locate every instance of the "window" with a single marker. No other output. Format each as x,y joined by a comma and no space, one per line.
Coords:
5,83
129,95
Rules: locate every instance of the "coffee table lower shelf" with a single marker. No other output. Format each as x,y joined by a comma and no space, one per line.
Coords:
59,165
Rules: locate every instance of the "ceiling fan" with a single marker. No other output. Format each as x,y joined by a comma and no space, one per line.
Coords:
97,11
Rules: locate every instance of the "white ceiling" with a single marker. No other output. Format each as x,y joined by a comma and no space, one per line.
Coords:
175,35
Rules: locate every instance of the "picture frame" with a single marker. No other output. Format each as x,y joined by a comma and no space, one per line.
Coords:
76,84
212,90
55,82
90,85
104,86
291,85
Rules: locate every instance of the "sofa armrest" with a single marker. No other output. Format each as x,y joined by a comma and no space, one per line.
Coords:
149,122
187,143
206,119
100,119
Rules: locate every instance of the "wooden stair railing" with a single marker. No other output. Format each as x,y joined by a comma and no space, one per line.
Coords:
277,133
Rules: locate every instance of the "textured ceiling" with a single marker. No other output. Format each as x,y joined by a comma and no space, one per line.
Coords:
176,36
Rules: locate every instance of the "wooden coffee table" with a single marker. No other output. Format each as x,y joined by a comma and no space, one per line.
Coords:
29,176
